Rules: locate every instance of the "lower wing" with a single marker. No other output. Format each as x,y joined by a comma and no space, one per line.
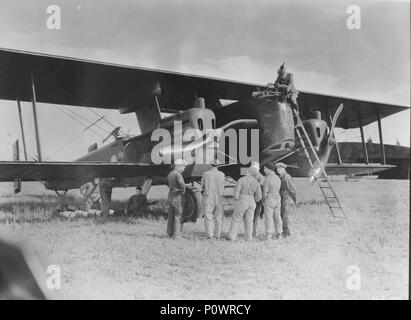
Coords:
35,171
354,168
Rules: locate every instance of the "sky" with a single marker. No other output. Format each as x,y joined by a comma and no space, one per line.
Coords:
237,40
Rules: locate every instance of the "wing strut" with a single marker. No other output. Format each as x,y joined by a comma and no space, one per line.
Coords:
367,161
22,130
381,141
36,125
318,170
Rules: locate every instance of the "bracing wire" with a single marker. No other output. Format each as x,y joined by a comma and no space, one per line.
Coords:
104,118
89,108
84,118
78,121
65,145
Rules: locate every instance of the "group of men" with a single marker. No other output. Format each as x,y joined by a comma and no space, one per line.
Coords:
274,193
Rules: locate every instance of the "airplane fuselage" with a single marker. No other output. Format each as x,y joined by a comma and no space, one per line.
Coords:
273,120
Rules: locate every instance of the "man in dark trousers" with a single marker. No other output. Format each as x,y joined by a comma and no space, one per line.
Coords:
106,187
176,191
288,197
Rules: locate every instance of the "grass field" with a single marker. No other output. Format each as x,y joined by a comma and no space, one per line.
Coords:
132,258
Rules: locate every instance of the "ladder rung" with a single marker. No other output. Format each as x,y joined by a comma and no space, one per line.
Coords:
310,152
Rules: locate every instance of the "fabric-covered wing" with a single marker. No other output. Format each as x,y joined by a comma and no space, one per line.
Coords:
354,169
33,171
77,82
353,109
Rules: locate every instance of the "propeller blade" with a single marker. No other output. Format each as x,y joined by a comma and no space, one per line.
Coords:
335,118
326,147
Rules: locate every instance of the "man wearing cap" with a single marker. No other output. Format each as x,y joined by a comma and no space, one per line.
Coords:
288,196
246,193
285,81
255,172
176,191
212,184
272,204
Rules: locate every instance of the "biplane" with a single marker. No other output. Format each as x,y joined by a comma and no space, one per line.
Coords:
196,102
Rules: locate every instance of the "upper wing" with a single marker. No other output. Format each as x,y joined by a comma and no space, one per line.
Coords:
353,108
79,82
86,171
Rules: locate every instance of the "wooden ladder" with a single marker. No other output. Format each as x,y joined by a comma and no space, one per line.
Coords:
326,188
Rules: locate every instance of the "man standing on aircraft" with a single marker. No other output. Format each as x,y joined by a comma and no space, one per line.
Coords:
288,196
91,194
246,193
175,200
212,184
272,204
285,81
255,172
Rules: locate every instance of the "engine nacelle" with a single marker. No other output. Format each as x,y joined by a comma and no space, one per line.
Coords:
317,130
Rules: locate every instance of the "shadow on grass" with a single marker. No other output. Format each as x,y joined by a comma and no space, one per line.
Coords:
311,203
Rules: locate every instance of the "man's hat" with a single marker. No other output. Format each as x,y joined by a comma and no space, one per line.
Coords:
215,163
180,162
280,165
255,165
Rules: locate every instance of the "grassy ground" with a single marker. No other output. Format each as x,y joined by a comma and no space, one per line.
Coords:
132,259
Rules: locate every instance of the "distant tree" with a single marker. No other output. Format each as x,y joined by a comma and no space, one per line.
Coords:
369,140
397,142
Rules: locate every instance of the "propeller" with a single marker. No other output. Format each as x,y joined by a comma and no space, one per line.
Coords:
326,145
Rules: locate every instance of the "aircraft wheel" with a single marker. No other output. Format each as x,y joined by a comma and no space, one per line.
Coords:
193,205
